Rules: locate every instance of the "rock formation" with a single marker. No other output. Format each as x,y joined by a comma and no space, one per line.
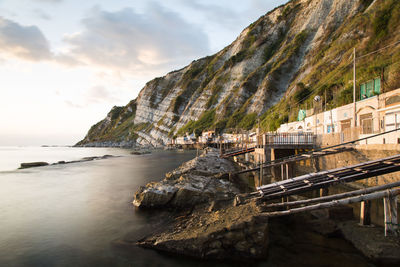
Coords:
195,182
275,67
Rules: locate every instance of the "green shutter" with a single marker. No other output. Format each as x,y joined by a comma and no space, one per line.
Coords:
302,115
363,93
377,86
370,88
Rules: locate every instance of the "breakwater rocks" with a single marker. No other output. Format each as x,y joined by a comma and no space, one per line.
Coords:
230,233
197,181
212,226
33,164
41,163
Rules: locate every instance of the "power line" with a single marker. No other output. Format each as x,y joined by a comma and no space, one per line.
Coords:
373,52
333,76
378,50
319,87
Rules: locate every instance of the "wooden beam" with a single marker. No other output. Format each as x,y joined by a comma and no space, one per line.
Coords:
337,196
333,177
330,204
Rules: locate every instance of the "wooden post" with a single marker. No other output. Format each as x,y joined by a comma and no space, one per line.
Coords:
261,171
220,147
287,171
390,215
323,192
365,213
287,177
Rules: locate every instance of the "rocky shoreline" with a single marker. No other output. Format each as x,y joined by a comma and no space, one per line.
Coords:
211,224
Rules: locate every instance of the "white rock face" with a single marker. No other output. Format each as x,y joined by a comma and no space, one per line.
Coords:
241,76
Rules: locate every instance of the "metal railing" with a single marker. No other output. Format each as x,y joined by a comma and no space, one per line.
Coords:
295,139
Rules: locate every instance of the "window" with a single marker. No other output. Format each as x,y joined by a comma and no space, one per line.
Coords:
363,92
377,86
370,88
366,123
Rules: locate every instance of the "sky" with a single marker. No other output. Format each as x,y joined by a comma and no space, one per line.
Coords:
65,63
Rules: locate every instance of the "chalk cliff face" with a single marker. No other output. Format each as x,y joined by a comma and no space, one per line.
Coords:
275,66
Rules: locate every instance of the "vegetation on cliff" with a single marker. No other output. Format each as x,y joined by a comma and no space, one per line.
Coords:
274,68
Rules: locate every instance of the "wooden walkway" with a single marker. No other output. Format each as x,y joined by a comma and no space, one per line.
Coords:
300,157
324,179
238,152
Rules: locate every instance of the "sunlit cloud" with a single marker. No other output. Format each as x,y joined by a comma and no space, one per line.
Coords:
26,42
94,95
131,41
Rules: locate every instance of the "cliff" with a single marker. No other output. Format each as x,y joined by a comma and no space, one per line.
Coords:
275,67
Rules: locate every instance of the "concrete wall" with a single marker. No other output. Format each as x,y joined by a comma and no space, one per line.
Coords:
361,154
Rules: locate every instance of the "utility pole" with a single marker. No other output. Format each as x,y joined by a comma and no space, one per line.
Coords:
354,88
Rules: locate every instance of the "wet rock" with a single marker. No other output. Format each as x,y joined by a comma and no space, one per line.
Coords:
194,182
26,165
153,196
140,152
371,241
211,235
39,164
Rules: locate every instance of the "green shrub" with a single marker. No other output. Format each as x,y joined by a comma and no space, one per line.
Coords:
248,121
380,23
205,122
177,102
302,93
235,119
345,96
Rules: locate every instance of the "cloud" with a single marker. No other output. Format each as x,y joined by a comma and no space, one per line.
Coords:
99,94
49,1
131,41
228,13
221,14
94,95
41,14
26,42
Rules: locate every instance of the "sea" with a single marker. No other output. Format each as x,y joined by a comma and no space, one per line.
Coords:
76,214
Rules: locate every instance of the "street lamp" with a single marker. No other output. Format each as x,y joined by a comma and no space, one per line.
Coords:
317,98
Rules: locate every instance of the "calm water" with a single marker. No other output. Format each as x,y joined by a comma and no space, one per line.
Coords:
71,215
68,215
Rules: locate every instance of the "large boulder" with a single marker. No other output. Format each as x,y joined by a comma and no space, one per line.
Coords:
197,181
232,232
154,195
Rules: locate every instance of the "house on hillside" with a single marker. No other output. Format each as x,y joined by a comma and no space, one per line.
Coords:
375,113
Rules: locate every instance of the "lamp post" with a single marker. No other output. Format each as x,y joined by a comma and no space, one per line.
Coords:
354,88
317,98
